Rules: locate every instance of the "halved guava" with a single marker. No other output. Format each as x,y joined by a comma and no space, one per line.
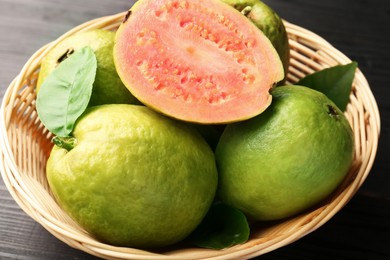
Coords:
198,61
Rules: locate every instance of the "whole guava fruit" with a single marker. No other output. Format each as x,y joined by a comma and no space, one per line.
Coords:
133,178
269,22
287,159
108,87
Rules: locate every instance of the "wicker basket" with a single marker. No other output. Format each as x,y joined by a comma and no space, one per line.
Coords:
25,145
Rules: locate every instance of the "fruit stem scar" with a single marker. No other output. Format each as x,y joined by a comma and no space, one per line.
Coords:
246,10
333,112
65,55
67,143
127,16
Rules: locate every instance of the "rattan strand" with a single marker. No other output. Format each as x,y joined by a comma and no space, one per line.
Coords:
25,145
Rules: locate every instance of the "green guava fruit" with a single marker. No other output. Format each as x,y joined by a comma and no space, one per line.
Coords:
134,177
108,87
269,22
287,159
197,61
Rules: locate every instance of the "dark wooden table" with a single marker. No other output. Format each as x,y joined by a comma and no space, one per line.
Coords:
358,28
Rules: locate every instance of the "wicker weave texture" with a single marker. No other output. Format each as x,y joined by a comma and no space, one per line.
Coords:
25,146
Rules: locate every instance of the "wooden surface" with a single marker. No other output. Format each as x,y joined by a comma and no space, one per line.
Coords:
358,28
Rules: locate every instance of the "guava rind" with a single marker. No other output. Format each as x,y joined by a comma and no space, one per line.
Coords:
134,178
287,159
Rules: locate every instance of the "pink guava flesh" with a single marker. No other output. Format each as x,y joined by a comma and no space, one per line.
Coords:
198,61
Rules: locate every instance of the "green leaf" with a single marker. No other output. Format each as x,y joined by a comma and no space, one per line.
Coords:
334,82
223,226
65,93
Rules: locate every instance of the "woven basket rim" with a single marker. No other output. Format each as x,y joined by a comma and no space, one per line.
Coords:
20,187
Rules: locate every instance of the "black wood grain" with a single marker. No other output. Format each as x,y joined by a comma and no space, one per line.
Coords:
358,28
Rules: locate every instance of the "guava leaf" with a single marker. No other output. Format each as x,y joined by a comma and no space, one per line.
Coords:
335,82
223,226
65,93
